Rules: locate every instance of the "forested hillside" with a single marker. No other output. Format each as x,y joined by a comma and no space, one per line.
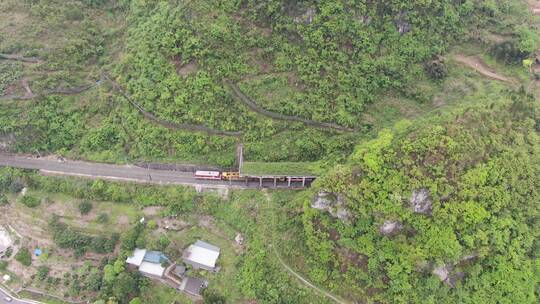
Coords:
420,119
435,212
326,61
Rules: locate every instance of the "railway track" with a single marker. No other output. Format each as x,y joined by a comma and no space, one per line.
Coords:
130,173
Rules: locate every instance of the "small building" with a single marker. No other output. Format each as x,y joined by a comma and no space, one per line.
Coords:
193,286
202,255
149,263
179,270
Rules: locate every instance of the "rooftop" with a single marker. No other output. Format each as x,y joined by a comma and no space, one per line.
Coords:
137,257
155,257
202,253
152,268
193,286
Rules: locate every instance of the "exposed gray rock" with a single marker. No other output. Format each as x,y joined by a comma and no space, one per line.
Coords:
5,241
468,257
323,200
401,23
332,203
442,272
306,17
446,274
421,202
239,239
454,278
390,227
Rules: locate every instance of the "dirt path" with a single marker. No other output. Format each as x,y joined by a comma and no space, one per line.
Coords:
277,116
480,66
20,58
58,91
168,124
291,271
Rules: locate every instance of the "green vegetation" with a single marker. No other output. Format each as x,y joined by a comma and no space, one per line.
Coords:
427,194
65,237
479,172
329,61
281,168
85,207
30,201
24,257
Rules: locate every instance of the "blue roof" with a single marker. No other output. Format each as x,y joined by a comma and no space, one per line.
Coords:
156,257
38,252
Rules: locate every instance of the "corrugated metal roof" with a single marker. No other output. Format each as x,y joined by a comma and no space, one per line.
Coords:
152,269
206,245
137,257
155,257
202,253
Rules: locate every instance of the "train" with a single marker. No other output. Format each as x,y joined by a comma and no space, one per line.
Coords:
217,175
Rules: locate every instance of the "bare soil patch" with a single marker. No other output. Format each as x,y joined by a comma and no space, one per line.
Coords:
534,6
171,223
123,220
257,60
152,210
481,67
185,69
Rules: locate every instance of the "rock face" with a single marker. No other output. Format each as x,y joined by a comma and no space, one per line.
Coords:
306,17
390,227
5,241
421,202
332,203
447,276
443,272
239,239
402,25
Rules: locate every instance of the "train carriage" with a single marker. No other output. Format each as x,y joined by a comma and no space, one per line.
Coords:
213,175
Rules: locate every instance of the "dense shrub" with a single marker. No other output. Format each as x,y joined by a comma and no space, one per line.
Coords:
24,257
102,218
509,52
66,237
3,199
30,201
85,207
16,186
436,69
43,272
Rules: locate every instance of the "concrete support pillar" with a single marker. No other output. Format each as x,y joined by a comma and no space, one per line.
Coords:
260,182
288,182
275,182
303,182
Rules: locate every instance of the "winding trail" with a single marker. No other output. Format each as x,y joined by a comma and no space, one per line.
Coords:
289,269
305,281
20,58
57,91
258,109
480,66
168,124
